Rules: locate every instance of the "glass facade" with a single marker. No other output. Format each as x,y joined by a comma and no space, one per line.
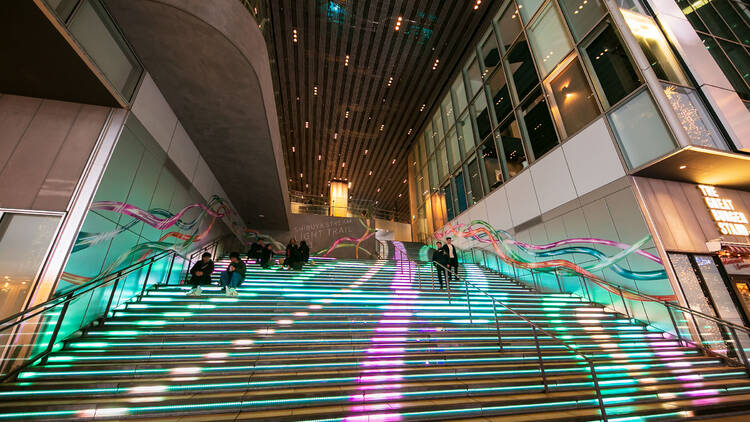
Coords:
543,72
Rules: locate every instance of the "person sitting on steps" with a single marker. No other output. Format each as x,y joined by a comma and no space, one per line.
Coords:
266,256
200,274
234,275
256,249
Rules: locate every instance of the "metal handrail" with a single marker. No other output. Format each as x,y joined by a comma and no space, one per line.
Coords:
15,321
731,327
535,327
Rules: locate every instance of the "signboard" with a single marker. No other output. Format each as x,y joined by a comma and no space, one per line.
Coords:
727,218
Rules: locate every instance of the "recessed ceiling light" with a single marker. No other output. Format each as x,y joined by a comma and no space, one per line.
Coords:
399,20
683,167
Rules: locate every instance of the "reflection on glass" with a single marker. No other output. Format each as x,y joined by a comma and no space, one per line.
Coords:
693,117
433,173
437,128
454,154
582,15
459,94
24,242
475,182
422,153
640,130
460,192
691,15
539,125
475,77
522,68
479,107
574,104
718,289
510,25
548,39
510,137
739,26
737,81
465,133
492,168
94,30
442,161
448,114
528,8
429,138
500,95
739,57
695,297
713,21
449,207
490,55
655,47
610,62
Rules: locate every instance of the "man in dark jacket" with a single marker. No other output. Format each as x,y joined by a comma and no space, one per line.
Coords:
304,252
440,261
450,251
265,256
256,249
234,275
200,274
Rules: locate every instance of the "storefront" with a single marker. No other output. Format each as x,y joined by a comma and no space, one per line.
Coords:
703,230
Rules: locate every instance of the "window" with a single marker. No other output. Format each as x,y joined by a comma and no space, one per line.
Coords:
24,242
433,173
492,168
538,123
481,113
522,69
94,30
442,162
429,138
448,114
474,77
490,55
731,72
574,102
739,26
460,192
510,138
509,25
582,15
459,94
640,131
694,119
465,133
528,8
655,47
611,64
548,39
437,127
449,207
454,154
422,153
475,182
500,95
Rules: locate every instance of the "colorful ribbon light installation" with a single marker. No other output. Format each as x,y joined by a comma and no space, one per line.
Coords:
481,231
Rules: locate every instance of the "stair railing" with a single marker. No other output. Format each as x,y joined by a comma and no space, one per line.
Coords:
536,330
33,334
714,336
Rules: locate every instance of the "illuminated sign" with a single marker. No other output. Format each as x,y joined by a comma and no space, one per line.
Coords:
729,220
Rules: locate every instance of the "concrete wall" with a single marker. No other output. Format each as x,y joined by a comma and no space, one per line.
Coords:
391,230
44,148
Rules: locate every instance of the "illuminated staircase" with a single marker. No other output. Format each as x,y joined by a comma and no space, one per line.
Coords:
359,341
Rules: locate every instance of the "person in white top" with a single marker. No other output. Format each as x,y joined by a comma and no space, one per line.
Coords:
450,250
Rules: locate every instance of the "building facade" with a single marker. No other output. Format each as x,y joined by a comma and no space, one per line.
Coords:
612,134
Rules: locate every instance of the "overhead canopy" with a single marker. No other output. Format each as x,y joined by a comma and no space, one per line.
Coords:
210,61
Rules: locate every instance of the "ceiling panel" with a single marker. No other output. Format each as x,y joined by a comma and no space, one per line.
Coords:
321,140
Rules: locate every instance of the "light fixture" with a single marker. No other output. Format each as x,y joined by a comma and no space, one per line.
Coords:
421,109
435,65
346,60
410,131
301,175
683,167
366,151
307,125
477,4
293,149
393,162
294,35
335,135
315,90
399,20
382,127
320,157
370,173
346,115
343,164
390,81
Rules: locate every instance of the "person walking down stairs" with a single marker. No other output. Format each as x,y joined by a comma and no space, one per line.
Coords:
440,261
234,275
200,274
